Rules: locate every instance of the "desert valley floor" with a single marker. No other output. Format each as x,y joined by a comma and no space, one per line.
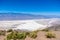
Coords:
32,25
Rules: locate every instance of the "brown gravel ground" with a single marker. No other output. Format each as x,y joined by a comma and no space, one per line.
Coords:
41,36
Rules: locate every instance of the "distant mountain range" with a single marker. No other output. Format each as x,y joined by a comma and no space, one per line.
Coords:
22,16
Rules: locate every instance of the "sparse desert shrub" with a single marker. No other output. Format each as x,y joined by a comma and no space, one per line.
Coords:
33,35
27,33
36,31
12,35
50,35
15,35
2,33
46,30
21,35
10,30
9,36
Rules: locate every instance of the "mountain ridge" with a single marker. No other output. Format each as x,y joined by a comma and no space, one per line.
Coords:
22,16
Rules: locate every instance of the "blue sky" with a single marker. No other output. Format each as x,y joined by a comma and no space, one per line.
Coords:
31,6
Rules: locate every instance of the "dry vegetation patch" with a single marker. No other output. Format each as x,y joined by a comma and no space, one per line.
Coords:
50,35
